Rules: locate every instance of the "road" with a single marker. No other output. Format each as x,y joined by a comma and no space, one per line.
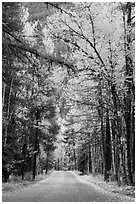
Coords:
62,186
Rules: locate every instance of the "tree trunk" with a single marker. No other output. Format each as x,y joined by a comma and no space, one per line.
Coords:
35,145
100,110
3,93
90,165
129,84
108,152
88,161
8,112
75,161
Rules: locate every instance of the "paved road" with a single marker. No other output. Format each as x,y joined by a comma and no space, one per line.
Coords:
62,186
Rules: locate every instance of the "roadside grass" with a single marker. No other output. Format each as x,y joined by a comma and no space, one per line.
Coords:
16,183
110,186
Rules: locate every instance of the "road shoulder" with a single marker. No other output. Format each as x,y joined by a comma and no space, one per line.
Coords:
106,188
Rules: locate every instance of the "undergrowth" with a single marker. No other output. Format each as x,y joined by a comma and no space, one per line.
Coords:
16,182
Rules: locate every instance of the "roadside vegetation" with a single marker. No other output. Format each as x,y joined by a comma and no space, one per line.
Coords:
15,183
110,187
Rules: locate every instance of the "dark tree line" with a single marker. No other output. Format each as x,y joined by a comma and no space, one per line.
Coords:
29,111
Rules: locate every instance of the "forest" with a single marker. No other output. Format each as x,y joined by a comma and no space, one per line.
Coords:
68,88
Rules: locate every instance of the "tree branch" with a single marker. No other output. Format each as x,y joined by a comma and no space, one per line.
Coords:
49,58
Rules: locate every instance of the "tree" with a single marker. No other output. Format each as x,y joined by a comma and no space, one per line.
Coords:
129,84
10,28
